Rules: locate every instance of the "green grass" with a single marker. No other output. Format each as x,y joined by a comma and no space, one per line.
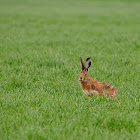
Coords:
40,46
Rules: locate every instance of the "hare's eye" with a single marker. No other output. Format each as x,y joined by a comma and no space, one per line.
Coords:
85,74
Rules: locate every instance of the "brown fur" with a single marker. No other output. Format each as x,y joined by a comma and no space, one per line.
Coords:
89,85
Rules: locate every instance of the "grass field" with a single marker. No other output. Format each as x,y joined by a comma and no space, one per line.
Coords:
40,45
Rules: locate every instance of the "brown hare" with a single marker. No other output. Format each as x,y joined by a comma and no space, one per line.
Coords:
91,86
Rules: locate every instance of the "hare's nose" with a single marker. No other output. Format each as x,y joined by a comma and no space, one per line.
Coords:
80,79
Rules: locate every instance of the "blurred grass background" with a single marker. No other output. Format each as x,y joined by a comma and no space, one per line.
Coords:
40,46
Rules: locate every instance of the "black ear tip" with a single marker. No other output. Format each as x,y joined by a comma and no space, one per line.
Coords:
87,58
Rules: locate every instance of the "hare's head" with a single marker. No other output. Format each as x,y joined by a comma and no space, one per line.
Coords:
84,73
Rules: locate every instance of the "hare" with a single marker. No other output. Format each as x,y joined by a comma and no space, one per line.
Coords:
91,86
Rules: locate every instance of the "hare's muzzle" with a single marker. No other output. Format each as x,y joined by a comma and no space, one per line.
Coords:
80,79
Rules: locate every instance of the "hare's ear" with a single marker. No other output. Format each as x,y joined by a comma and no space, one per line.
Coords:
82,64
88,63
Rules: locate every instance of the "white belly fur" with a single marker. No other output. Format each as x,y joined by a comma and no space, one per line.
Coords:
92,92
